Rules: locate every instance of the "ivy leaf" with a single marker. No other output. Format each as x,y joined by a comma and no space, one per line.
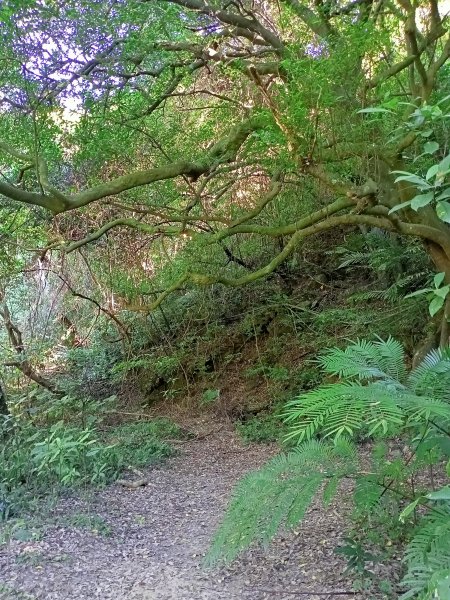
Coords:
435,305
432,172
421,200
411,178
431,147
442,292
419,293
22,535
444,165
443,168
443,195
443,211
409,509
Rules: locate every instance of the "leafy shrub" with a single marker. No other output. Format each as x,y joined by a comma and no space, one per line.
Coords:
82,411
93,522
157,366
209,396
377,399
402,264
142,443
34,459
268,428
271,372
307,378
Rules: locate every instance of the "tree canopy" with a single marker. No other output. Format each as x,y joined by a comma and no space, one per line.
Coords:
212,125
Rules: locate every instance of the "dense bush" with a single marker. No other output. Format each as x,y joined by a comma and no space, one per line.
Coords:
36,460
33,460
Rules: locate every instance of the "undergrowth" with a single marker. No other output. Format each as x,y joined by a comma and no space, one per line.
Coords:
37,460
263,429
375,399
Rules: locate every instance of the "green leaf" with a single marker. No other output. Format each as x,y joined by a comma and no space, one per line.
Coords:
442,292
443,211
438,279
432,172
399,207
22,535
426,133
374,109
444,166
443,195
411,178
442,494
419,292
421,200
409,509
435,305
431,147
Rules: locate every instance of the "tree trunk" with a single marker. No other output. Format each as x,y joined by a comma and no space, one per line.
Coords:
4,410
16,340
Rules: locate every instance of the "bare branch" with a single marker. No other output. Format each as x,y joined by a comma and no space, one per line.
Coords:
234,19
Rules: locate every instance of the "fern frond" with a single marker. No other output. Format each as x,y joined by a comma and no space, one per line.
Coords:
369,295
428,558
355,258
261,504
432,376
421,408
392,358
359,360
367,492
378,399
366,360
330,490
279,494
394,292
342,409
311,454
302,501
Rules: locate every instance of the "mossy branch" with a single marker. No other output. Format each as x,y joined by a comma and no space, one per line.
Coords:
224,151
132,223
202,279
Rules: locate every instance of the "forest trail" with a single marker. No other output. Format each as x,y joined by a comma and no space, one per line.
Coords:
151,540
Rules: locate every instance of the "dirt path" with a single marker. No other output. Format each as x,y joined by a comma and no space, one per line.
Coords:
150,541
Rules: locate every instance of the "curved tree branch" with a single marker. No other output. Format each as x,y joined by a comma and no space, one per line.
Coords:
224,151
426,233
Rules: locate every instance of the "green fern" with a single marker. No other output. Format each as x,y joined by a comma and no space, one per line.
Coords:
378,398
433,374
367,493
428,558
365,360
280,493
396,291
